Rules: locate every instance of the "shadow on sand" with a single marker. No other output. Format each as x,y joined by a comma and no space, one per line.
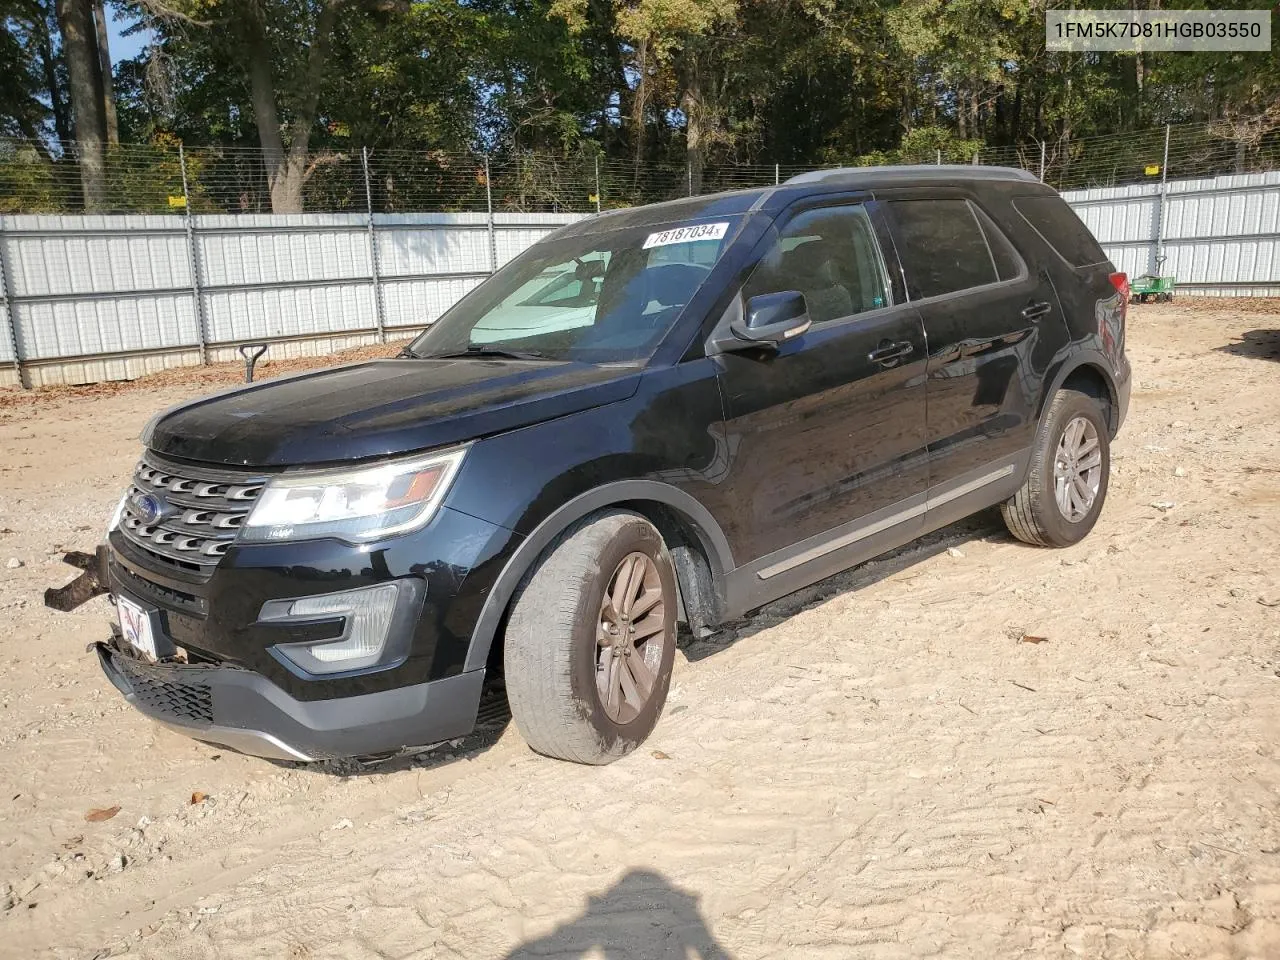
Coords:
1256,344
641,917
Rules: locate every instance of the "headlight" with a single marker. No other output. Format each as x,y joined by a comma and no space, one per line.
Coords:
355,505
115,517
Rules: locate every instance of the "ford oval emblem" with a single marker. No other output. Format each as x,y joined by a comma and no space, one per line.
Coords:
148,508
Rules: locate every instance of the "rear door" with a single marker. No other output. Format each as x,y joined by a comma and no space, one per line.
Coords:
1093,308
828,431
993,325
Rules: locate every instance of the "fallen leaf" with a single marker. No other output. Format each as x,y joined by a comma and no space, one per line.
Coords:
73,842
98,814
198,797
1269,602
1028,638
659,755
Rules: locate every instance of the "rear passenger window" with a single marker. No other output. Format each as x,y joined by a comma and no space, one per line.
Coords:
1007,262
942,246
831,256
1058,224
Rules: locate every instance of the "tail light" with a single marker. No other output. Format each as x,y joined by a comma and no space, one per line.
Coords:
1114,339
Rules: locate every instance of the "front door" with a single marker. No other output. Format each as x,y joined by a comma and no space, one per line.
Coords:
829,429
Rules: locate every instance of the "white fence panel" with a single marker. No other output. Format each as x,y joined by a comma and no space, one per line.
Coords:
263,313
63,256
6,345
517,231
334,247
104,297
78,328
417,303
412,245
1221,235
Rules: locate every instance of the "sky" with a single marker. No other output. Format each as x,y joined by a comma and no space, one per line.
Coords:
122,47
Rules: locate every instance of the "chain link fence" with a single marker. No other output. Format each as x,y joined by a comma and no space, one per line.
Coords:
42,177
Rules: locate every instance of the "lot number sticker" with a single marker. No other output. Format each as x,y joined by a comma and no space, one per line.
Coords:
701,231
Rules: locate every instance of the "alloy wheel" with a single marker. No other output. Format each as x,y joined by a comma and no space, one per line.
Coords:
630,637
1077,469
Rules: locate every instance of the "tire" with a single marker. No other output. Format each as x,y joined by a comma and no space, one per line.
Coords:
1033,514
555,655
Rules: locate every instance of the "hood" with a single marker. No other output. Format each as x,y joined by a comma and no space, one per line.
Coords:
378,408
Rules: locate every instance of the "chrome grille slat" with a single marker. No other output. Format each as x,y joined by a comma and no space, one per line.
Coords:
212,504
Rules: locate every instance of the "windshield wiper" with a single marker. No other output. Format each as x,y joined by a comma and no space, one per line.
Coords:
478,352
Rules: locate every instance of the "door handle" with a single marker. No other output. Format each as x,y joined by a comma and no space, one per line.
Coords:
1034,311
888,352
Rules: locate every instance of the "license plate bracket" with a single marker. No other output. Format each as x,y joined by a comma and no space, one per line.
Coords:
138,627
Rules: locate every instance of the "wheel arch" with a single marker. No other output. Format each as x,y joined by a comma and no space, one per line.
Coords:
1088,373
699,549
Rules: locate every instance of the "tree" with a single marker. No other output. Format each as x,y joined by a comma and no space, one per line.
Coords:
22,113
88,106
283,49
112,123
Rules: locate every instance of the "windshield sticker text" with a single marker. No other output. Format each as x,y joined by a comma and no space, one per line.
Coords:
700,231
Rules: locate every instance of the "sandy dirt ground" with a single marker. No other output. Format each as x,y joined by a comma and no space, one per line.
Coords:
882,766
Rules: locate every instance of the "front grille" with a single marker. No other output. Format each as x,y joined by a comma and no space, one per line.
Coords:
158,594
157,691
202,509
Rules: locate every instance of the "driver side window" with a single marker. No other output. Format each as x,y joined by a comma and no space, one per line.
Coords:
832,257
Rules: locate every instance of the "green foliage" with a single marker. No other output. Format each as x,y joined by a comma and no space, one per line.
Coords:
665,94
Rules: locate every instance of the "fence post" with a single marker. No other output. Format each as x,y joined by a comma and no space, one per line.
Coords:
939,158
688,170
777,174
1042,161
493,239
597,183
1164,201
378,312
193,255
10,325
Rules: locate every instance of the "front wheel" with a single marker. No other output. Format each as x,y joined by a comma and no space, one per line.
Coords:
591,640
1065,488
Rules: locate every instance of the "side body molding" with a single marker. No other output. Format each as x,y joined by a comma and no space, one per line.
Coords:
713,541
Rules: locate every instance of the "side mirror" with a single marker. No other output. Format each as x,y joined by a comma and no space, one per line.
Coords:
771,319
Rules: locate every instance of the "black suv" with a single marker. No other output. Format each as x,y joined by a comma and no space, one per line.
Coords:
671,413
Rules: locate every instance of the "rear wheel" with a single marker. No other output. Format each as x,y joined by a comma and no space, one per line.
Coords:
590,642
1067,484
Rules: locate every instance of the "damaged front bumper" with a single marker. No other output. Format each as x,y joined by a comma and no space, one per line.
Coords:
246,712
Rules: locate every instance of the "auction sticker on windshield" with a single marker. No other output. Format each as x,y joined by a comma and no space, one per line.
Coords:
699,231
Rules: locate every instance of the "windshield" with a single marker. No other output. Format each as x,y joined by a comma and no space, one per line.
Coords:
601,297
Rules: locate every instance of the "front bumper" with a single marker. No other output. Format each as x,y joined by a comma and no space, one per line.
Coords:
244,711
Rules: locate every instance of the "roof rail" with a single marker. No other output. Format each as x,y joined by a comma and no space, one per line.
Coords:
950,171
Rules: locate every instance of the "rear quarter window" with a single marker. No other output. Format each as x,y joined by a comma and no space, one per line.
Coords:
1058,224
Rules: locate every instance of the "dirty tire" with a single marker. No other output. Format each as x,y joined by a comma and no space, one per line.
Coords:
1032,514
551,654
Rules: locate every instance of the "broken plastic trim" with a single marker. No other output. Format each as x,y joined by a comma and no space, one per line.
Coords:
91,583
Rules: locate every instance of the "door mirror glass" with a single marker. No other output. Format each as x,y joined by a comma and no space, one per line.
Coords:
772,318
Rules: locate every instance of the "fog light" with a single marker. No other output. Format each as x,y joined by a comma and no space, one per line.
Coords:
367,614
